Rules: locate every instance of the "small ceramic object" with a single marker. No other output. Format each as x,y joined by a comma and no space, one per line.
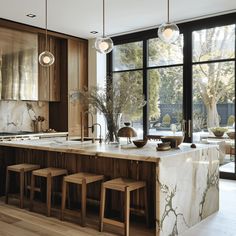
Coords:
140,143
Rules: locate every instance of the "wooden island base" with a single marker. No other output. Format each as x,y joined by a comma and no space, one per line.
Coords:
109,167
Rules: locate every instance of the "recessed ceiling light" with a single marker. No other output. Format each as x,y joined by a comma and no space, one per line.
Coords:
94,32
31,15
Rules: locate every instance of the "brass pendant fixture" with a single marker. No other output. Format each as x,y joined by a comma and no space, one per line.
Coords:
46,58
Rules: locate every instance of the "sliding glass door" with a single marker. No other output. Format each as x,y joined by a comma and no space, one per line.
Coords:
165,87
213,74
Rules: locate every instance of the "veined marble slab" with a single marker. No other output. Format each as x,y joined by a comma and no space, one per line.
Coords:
17,116
131,152
187,190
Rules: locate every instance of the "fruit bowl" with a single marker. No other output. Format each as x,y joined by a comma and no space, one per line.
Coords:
218,131
140,143
175,141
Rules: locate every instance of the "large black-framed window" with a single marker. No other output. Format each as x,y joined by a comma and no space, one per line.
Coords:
144,37
188,64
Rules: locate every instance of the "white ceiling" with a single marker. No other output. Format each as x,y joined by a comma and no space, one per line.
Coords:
79,17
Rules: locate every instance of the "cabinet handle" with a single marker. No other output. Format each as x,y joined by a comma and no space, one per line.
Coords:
189,129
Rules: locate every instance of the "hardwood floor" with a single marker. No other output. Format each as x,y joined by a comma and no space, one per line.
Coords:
18,222
21,222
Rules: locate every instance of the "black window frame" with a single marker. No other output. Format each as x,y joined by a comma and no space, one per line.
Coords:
186,29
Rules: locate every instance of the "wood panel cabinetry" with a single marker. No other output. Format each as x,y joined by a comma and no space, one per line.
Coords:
77,79
49,77
69,71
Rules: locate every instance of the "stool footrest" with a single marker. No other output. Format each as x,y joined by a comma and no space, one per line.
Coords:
114,222
35,188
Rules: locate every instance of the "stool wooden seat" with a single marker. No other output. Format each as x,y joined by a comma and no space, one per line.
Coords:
48,173
21,169
126,186
82,179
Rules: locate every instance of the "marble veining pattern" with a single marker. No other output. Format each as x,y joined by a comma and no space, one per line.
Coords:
15,115
188,190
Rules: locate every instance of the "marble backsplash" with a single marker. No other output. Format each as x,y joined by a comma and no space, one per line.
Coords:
21,115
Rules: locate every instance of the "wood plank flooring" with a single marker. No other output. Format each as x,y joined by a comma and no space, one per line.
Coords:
21,222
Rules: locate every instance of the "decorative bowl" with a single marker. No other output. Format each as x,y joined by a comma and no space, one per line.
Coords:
175,141
231,135
140,143
218,131
165,144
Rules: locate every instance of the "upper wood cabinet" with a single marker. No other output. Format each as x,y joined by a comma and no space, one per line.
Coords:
49,77
18,65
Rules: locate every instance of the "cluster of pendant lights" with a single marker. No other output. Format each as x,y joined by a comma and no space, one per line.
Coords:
167,32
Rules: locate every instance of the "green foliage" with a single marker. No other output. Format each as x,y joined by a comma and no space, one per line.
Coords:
119,96
154,91
230,120
128,56
166,120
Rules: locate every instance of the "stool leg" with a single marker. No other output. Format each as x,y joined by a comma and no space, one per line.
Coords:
32,192
63,200
102,206
49,192
22,182
7,186
127,210
83,202
146,205
68,195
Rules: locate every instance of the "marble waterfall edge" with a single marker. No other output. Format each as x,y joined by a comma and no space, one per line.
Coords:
187,190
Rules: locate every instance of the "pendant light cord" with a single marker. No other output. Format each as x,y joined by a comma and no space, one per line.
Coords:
103,23
168,11
46,24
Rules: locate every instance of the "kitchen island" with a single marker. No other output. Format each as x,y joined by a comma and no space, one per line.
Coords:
182,183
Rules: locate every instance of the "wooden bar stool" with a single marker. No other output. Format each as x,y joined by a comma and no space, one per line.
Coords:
126,186
82,179
22,169
48,173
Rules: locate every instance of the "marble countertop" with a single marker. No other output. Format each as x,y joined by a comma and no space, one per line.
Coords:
29,135
131,152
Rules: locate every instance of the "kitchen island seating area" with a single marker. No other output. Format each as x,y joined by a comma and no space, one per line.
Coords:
83,179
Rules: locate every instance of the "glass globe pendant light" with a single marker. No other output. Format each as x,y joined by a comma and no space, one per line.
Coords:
46,58
168,32
104,44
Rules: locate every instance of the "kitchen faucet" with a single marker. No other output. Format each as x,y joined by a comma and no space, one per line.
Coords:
82,124
100,133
